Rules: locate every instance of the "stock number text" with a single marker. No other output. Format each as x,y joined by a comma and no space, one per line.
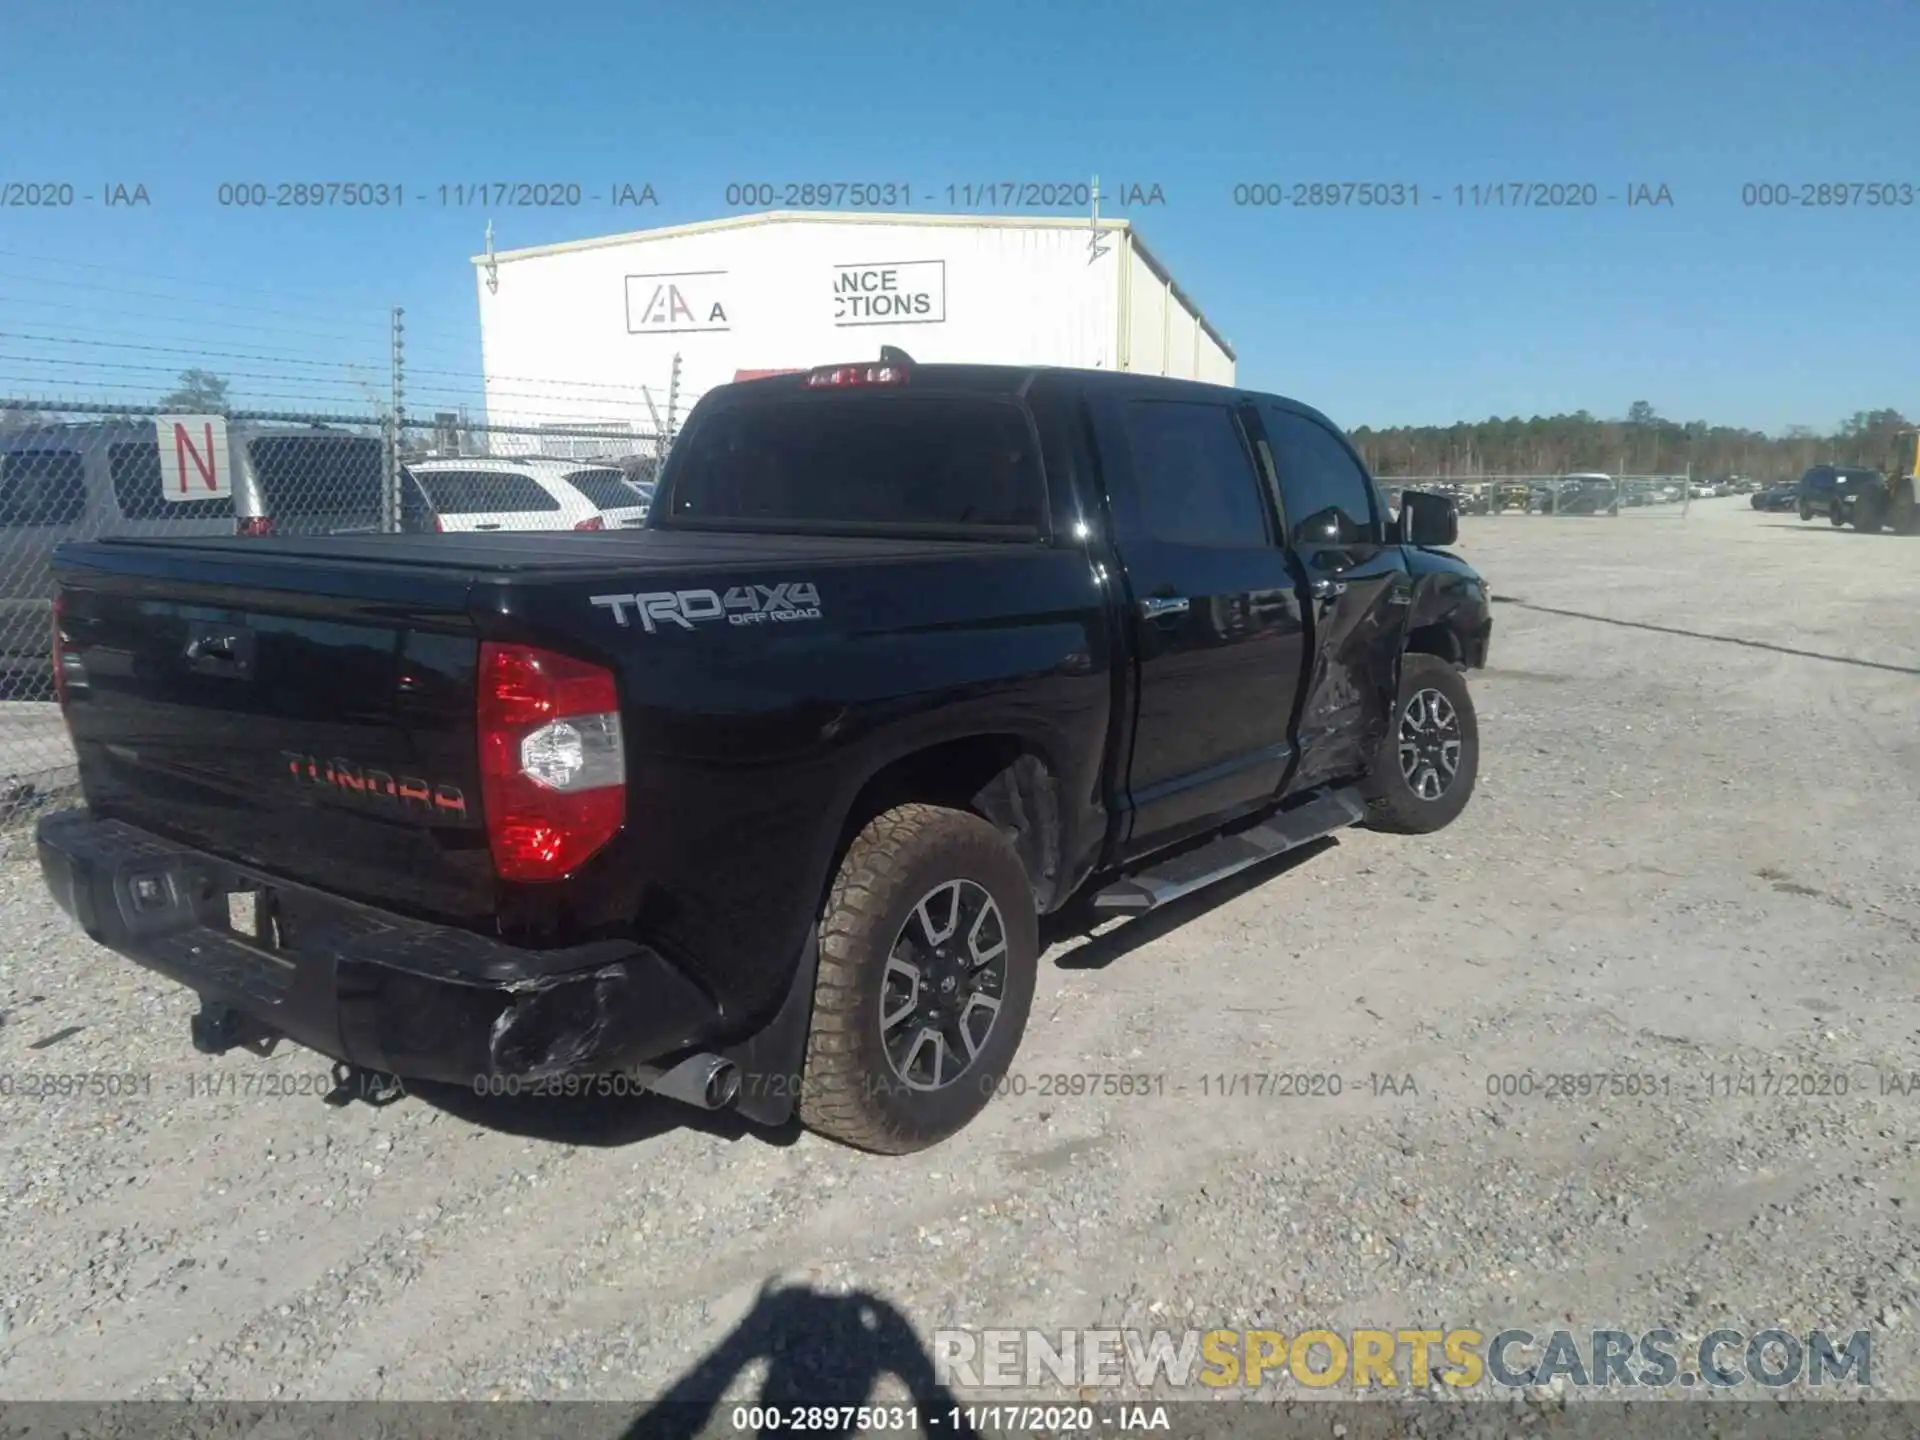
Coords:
310,194
1868,195
1316,194
805,195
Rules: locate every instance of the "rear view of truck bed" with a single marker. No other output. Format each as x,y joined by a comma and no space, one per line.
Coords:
456,807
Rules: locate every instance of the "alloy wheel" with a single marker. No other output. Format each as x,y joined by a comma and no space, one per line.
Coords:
1429,744
946,974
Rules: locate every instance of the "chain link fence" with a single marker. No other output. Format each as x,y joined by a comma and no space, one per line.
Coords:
76,470
1651,496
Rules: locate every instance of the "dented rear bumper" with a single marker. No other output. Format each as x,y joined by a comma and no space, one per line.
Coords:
362,985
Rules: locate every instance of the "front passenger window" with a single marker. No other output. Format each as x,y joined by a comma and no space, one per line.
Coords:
1327,496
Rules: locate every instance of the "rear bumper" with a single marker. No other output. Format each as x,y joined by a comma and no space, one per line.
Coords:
383,991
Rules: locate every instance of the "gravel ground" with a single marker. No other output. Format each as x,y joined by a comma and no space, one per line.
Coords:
1691,858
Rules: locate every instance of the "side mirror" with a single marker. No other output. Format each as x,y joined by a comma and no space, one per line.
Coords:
1427,519
1323,527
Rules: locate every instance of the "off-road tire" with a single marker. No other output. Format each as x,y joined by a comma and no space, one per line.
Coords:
1903,515
849,1089
1869,514
1392,804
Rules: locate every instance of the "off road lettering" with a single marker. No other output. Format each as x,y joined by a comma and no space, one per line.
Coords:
740,605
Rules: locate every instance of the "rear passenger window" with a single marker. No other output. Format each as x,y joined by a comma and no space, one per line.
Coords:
42,487
605,489
321,477
134,468
484,492
1196,481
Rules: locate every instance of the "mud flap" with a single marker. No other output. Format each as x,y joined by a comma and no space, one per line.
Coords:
771,1060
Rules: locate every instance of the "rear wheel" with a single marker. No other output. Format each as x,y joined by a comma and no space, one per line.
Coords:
1901,515
1869,514
1806,509
928,951
1836,517
1428,762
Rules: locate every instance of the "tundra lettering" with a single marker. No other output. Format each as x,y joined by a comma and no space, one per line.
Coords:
345,779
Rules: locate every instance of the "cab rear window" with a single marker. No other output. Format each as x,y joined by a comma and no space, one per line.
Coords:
966,464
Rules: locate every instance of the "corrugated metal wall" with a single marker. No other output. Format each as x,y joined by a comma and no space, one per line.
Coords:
1164,334
795,293
1147,301
801,293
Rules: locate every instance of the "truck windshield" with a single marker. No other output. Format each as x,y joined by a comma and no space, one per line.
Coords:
948,463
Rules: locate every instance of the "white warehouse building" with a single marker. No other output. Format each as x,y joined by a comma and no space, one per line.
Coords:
574,332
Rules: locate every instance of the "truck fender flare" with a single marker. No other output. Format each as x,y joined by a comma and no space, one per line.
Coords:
1008,778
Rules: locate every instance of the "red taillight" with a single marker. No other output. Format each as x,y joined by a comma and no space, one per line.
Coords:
593,522
553,768
835,375
60,649
438,527
256,525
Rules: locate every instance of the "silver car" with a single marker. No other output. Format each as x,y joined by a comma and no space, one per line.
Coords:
91,479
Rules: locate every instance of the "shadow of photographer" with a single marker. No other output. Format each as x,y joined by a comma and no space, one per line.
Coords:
822,1351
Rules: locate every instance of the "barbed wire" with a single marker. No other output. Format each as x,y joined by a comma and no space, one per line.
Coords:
379,337
224,286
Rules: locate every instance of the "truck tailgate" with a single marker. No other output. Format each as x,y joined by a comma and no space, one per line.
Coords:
306,706
307,720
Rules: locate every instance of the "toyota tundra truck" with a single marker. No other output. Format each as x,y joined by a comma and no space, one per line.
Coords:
761,804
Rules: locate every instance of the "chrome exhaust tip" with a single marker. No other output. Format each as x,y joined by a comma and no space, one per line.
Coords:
710,1082
723,1085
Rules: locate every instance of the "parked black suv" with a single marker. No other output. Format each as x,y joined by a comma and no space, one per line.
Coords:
761,804
1844,493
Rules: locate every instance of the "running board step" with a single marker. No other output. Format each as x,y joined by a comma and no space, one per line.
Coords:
1168,880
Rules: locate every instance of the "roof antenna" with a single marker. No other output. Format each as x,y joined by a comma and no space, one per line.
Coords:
1094,250
894,355
493,266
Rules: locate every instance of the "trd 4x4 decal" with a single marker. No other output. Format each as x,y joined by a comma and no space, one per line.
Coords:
740,605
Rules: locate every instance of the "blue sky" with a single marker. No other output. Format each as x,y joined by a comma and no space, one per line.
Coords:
1707,307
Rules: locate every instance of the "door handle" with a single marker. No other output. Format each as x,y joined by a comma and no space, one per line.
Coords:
1159,607
1325,589
220,650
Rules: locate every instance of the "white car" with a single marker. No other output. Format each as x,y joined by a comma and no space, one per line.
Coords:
519,493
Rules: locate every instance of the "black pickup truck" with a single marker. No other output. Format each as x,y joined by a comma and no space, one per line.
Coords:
760,805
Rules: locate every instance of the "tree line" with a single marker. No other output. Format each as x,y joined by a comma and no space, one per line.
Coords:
1642,443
